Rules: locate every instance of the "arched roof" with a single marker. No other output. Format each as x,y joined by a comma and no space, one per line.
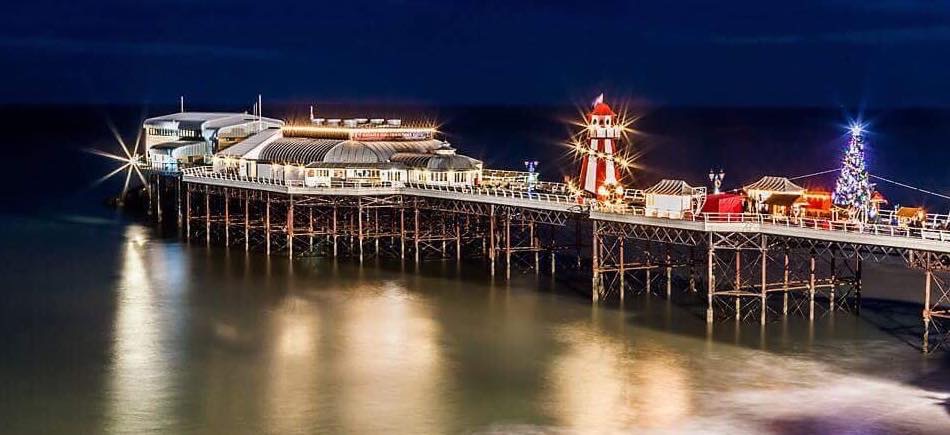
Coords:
297,150
350,151
301,150
436,162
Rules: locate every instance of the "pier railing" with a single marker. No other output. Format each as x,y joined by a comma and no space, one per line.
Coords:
556,198
926,232
498,192
933,227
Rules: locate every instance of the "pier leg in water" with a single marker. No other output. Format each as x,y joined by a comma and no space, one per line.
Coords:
267,223
335,234
620,269
188,213
158,198
811,287
928,279
669,275
491,239
738,283
290,227
247,221
178,199
710,281
508,247
227,218
359,224
764,288
534,246
207,215
785,284
857,284
415,230
402,232
595,265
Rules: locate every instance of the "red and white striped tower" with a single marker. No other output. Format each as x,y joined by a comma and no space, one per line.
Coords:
598,168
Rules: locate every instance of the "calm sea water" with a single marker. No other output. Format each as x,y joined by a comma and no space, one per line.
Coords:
110,327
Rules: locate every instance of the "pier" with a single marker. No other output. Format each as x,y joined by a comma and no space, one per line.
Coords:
364,189
749,267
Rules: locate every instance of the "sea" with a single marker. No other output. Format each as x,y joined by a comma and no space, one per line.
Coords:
110,325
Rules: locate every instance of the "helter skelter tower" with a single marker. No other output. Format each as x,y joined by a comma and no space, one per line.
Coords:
599,166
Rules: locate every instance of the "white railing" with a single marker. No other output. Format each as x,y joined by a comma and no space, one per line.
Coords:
821,224
556,198
930,230
498,192
207,172
926,232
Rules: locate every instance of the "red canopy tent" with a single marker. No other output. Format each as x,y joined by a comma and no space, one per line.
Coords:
724,203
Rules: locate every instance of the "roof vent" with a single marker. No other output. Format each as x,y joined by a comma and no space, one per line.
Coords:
394,122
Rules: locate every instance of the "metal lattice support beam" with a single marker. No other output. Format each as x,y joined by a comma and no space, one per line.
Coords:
936,310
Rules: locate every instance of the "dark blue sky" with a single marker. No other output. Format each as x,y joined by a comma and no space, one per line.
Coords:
739,52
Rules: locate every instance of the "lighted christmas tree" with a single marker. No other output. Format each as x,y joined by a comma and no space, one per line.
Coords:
853,189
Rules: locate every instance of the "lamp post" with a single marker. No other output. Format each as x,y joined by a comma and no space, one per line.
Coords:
532,167
716,179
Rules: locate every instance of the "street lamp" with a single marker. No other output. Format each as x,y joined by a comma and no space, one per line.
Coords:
716,179
532,167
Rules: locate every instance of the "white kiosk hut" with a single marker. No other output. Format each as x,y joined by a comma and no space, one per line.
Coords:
673,199
773,195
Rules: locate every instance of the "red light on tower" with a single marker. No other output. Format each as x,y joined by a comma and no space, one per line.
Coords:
598,167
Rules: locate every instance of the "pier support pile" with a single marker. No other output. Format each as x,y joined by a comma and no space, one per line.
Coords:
745,276
374,226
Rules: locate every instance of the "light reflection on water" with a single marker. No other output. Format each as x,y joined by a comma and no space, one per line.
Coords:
209,341
140,384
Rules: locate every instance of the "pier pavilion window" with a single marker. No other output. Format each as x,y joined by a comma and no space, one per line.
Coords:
365,173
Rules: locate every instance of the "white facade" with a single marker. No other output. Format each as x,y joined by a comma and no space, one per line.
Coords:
668,206
187,138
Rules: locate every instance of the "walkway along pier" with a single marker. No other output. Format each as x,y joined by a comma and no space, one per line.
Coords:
750,267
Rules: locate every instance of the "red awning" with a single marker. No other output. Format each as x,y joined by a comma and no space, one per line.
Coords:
724,203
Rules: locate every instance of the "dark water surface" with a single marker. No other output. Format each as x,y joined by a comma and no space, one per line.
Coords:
108,327
115,330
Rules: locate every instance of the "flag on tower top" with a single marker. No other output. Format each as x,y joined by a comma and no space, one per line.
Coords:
598,100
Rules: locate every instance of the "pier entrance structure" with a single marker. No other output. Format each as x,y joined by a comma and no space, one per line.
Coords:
398,192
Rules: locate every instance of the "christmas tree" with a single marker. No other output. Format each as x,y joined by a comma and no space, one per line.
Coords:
853,190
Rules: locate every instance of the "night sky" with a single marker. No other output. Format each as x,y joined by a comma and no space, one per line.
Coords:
886,53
